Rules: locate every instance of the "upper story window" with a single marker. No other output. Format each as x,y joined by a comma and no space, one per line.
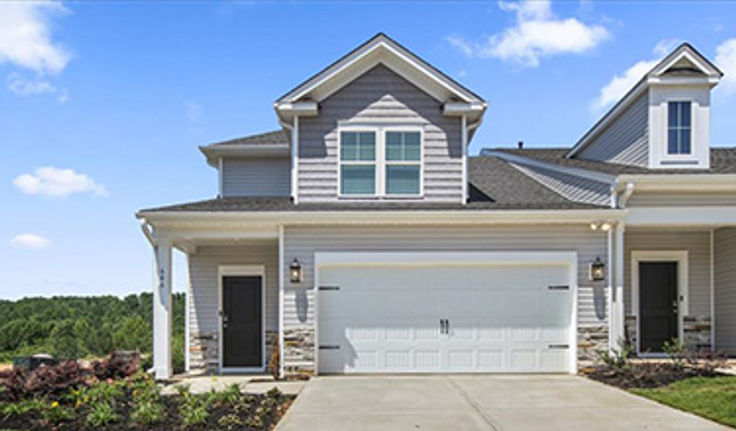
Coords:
358,163
380,162
403,165
679,127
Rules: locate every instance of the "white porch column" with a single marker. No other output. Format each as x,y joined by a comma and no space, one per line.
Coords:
617,317
162,310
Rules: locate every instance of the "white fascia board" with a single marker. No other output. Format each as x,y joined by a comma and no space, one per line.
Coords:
690,56
710,81
213,153
583,173
609,117
711,217
681,182
472,110
268,219
307,108
380,51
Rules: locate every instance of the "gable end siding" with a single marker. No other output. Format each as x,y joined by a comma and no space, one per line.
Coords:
262,176
626,140
379,96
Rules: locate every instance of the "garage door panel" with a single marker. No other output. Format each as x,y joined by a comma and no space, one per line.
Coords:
502,318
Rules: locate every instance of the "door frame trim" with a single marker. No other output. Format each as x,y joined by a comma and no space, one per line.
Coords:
240,271
463,258
679,256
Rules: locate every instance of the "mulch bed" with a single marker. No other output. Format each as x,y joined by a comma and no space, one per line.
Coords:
646,375
172,421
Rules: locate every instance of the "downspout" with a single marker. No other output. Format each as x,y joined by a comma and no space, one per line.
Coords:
465,132
294,130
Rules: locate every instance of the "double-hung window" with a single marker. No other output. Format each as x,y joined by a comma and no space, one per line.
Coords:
357,163
403,163
679,127
380,161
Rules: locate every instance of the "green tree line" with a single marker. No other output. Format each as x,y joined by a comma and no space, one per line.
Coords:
80,327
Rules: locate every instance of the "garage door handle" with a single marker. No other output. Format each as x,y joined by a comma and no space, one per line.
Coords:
558,346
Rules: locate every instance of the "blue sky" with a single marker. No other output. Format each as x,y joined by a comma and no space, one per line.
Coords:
103,104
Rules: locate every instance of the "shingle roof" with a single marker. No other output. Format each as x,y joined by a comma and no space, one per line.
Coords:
494,185
722,161
274,137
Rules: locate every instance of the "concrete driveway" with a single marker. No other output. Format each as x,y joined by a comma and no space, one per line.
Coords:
480,402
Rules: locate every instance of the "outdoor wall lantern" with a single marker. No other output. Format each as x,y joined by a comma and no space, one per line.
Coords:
597,270
295,271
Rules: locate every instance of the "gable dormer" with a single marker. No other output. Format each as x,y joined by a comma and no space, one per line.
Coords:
378,125
663,122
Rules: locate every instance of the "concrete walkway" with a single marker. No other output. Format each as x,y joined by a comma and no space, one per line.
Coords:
252,384
479,402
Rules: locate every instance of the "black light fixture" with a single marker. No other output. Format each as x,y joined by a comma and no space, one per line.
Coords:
597,270
295,271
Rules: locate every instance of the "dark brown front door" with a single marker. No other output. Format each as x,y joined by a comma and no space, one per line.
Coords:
242,324
657,304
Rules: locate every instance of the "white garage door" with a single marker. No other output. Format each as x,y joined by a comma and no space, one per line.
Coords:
430,317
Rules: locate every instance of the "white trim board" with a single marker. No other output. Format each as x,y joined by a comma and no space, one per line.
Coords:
419,259
245,271
679,256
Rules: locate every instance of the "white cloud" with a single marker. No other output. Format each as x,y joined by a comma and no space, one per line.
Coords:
726,61
33,87
25,36
55,182
620,84
30,241
537,33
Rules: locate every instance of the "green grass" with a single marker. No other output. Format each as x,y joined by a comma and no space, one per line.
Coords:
711,397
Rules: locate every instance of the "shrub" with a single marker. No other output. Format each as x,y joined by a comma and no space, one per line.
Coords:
676,352
43,380
193,408
118,365
101,414
231,422
56,413
616,358
148,412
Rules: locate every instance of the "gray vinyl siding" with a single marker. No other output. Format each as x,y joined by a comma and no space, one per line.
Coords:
696,243
303,242
203,283
572,187
261,176
626,140
664,199
383,96
724,250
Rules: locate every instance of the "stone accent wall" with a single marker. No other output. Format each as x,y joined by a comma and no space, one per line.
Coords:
696,332
203,352
298,354
630,333
590,339
203,347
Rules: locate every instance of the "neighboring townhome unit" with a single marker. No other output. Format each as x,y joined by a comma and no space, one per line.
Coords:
361,237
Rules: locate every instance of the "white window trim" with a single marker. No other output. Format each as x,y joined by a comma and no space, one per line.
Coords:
380,161
679,256
236,271
678,157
